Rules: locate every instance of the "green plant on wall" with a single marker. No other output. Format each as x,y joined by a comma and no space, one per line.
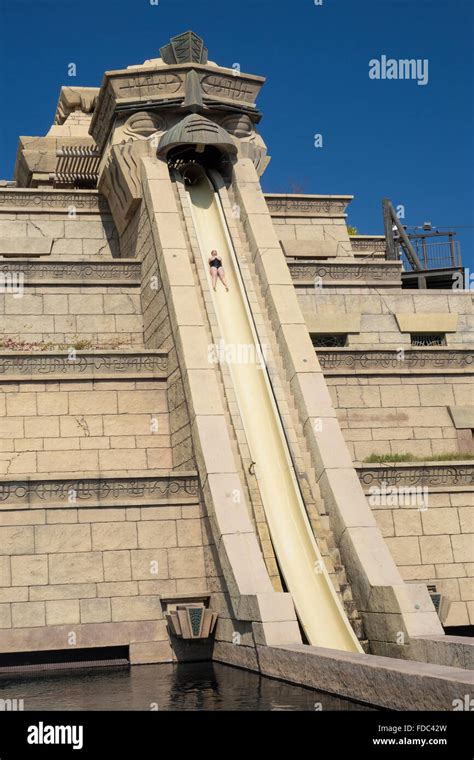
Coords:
351,230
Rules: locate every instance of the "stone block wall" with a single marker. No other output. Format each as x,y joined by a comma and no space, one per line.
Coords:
434,544
399,414
158,334
315,229
378,326
102,316
70,234
66,570
88,426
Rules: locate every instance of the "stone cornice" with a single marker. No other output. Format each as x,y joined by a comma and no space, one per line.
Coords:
83,271
82,365
151,87
346,272
368,243
432,474
291,204
93,490
33,201
343,361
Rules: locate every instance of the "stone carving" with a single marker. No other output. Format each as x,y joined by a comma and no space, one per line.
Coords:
191,621
341,359
58,491
120,181
21,365
195,129
185,48
232,88
238,125
141,84
75,99
368,245
39,200
418,475
356,271
257,152
102,116
286,205
144,124
52,271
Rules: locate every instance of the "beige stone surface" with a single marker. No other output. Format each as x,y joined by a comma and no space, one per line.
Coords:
95,611
114,536
136,608
333,324
78,567
29,570
62,612
28,614
427,322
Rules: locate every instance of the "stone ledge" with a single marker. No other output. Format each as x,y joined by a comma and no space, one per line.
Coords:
342,360
23,200
368,243
455,651
100,489
352,284
69,271
409,474
30,246
383,681
462,416
345,273
291,204
101,365
87,635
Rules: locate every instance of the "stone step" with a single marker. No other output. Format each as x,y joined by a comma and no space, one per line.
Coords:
52,366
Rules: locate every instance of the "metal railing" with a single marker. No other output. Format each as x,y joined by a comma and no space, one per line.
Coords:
439,255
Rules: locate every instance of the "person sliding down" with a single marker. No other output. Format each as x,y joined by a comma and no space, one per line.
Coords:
217,270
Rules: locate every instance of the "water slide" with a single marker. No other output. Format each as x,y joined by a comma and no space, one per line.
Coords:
319,610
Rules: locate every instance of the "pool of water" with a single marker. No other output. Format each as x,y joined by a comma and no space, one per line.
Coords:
188,686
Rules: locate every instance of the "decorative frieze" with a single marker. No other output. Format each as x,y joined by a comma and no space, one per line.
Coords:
14,200
51,271
369,243
441,475
161,489
81,365
307,205
342,359
347,272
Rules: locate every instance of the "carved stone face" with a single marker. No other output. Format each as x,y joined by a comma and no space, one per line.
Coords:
144,124
238,125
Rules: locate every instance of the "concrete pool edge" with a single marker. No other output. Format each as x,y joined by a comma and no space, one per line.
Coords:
374,680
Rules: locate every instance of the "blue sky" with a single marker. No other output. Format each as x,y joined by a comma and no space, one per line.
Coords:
393,138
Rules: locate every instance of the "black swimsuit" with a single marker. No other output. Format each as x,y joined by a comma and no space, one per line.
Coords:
216,262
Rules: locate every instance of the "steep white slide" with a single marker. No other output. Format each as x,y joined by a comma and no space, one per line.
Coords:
317,605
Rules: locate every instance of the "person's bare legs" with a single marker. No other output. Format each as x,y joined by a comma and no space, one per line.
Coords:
214,277
221,275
